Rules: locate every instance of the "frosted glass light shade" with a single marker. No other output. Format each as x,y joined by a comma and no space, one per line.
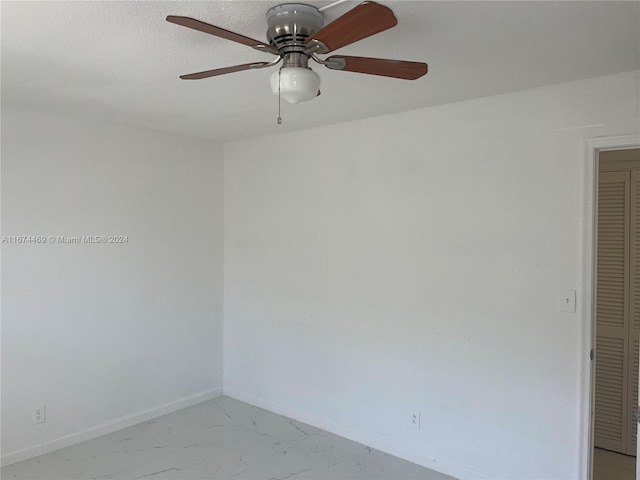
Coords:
297,84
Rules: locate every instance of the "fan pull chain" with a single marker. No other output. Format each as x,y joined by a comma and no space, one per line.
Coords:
279,101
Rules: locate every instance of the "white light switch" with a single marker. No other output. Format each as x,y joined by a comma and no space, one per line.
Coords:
568,301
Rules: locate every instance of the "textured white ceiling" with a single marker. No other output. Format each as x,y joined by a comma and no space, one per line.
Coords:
120,60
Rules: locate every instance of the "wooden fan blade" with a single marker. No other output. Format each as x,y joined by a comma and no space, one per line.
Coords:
222,71
220,32
365,20
380,66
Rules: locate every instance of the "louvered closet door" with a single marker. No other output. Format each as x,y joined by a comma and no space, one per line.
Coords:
634,311
612,392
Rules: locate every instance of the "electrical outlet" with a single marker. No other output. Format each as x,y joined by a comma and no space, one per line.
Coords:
39,414
415,420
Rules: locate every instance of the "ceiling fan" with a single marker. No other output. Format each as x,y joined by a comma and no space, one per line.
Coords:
296,34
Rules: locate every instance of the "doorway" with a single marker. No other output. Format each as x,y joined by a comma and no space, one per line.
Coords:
617,315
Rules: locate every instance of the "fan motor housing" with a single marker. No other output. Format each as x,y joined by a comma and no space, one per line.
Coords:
290,24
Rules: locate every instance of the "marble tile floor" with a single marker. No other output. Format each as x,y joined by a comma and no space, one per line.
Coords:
219,439
613,466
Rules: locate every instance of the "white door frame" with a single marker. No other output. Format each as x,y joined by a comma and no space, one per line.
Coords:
587,373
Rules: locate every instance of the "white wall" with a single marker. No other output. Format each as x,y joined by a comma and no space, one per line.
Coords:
413,262
106,335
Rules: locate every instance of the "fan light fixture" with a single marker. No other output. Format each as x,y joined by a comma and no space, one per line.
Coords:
296,34
295,84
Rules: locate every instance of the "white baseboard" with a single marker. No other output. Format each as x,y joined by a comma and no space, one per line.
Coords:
108,427
374,441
